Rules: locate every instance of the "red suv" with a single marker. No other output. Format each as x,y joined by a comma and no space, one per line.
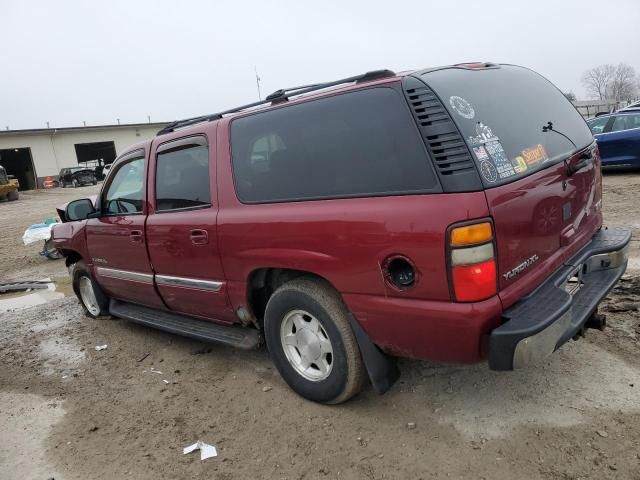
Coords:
449,214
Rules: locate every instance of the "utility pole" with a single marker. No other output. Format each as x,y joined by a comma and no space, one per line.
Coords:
257,82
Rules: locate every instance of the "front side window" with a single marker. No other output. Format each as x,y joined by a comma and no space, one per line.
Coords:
363,143
597,125
125,193
182,178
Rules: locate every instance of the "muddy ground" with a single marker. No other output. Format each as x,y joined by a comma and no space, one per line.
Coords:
68,411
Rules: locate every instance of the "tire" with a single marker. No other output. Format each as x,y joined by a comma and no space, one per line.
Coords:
62,184
74,183
336,372
12,196
82,280
95,182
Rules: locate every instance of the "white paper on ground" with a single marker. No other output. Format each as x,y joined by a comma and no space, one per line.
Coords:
206,450
100,347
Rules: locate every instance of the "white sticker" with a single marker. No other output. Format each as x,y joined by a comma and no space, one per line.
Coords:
462,107
484,135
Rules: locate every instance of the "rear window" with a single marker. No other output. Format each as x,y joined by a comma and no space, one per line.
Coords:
502,113
362,143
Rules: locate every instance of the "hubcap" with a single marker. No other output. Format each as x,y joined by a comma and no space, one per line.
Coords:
88,296
306,345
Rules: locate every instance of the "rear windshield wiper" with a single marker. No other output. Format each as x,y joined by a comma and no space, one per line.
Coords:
585,159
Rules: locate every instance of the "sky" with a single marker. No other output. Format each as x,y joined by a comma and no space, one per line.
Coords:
67,62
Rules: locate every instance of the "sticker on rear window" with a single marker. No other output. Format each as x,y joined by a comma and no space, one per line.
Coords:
519,164
488,171
484,135
462,107
535,155
503,164
480,153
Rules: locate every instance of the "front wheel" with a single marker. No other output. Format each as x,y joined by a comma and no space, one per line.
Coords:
94,301
12,196
311,342
74,183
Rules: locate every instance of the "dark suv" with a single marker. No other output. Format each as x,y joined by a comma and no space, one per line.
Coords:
450,214
77,176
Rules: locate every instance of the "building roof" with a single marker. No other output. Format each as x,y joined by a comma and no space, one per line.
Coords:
88,128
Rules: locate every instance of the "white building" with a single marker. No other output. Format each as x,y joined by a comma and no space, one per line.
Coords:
34,156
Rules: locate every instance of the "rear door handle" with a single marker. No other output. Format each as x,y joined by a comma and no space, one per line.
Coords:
135,236
199,237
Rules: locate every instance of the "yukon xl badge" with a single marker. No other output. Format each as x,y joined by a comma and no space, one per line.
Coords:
521,267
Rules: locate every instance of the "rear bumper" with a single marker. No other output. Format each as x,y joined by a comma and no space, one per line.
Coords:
545,319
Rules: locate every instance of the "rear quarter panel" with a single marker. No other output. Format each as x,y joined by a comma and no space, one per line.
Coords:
343,240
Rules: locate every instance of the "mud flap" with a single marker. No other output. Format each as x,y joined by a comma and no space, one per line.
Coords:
382,369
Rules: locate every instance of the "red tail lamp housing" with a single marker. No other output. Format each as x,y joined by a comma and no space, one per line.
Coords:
472,261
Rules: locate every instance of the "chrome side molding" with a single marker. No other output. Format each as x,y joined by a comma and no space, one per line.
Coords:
189,283
209,285
124,275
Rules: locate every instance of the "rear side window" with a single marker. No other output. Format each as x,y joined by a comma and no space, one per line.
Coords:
504,114
356,144
626,121
182,178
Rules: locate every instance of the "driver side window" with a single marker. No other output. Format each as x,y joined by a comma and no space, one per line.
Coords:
124,195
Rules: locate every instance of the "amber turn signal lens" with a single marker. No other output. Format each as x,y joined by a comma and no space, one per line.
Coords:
471,234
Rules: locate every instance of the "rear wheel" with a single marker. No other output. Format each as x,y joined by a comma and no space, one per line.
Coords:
94,301
11,196
62,184
311,342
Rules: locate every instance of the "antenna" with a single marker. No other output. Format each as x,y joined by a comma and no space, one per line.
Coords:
257,82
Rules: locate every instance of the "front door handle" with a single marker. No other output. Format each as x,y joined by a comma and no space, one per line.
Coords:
135,236
199,237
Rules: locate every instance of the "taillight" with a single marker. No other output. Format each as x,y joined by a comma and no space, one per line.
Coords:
473,262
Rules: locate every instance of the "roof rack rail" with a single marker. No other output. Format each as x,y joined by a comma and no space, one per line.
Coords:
277,97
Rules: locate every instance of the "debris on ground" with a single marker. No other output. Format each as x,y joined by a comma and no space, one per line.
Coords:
25,285
206,450
266,389
101,347
411,426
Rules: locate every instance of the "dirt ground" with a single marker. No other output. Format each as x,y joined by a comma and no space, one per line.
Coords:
68,411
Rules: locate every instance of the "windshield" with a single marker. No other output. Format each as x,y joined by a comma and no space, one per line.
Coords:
514,120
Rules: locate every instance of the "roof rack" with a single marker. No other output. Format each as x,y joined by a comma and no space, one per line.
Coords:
279,96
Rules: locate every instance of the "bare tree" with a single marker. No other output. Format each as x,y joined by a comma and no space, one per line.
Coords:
597,80
570,96
623,86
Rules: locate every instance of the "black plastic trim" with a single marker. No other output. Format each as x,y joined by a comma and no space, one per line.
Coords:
550,302
382,369
459,174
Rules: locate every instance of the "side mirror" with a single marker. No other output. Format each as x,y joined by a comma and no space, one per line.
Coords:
79,209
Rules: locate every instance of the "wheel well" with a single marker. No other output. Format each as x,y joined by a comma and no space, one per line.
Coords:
71,257
264,281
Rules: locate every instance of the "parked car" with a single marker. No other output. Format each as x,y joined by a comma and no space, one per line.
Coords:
450,214
106,169
618,137
77,176
632,106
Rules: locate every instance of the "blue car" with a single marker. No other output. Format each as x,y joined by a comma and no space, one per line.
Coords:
618,137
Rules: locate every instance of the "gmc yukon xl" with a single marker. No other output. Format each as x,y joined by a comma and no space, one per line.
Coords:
451,214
